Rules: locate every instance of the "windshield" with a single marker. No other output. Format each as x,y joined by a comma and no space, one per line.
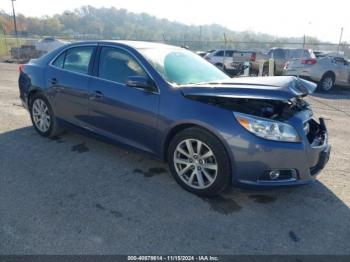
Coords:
182,67
300,53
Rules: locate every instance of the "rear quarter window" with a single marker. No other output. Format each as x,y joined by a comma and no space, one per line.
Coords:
78,59
300,53
59,60
75,59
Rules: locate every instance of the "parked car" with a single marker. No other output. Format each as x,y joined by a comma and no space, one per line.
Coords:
327,71
201,53
230,61
169,102
322,53
48,44
280,56
220,58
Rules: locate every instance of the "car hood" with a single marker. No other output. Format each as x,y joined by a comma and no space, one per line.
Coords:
271,88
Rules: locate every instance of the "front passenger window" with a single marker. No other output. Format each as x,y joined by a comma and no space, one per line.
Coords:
117,65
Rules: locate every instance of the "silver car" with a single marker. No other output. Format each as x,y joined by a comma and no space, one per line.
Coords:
326,71
280,56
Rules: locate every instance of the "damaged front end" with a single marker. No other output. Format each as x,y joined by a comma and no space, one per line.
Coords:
276,98
275,110
272,109
264,109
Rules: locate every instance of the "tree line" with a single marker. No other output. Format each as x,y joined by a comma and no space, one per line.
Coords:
88,22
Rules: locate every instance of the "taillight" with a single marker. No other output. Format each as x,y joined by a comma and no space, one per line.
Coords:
253,57
311,61
20,67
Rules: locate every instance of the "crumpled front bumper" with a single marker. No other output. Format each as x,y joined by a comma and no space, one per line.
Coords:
298,163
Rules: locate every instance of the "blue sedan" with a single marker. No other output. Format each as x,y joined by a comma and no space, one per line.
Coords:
213,131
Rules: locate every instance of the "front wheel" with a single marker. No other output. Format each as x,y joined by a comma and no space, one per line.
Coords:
199,162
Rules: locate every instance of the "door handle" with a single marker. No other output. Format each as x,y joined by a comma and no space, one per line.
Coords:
53,81
96,95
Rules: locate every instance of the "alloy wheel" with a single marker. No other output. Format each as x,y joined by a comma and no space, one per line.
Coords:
195,163
41,115
327,83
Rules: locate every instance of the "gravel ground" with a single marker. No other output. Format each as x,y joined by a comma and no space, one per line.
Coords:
76,195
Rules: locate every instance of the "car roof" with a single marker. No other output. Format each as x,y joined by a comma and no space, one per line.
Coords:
137,45
131,43
289,48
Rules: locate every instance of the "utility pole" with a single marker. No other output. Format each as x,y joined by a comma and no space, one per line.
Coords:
15,24
341,36
224,57
200,38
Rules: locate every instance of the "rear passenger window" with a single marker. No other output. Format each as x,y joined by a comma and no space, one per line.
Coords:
229,53
77,59
117,65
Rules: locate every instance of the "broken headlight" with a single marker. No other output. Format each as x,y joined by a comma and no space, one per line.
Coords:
268,129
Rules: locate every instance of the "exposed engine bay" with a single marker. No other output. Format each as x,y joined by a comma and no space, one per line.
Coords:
272,109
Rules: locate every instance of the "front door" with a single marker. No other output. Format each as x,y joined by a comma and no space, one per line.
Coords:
124,113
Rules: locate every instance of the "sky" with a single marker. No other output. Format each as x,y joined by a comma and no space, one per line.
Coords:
321,19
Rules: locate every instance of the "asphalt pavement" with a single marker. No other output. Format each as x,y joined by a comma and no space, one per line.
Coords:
77,195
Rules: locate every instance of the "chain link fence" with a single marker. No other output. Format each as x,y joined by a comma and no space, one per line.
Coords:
338,99
9,42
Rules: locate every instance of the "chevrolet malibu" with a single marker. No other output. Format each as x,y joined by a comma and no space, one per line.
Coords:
213,131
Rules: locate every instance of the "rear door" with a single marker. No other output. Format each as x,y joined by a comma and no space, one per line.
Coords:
123,113
242,56
68,78
343,71
228,54
280,57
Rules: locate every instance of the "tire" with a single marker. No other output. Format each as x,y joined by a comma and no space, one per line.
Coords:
265,71
220,66
203,173
327,82
41,109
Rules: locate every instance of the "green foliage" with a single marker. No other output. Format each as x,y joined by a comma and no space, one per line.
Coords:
88,22
3,46
121,24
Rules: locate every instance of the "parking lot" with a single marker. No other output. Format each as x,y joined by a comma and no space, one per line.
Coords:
77,195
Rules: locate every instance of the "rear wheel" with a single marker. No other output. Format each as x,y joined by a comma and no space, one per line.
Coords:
221,66
199,162
327,82
42,116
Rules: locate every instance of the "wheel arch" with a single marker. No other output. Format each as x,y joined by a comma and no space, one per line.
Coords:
329,72
182,126
31,94
37,91
170,135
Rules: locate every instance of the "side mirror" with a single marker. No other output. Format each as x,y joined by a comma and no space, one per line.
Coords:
141,82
